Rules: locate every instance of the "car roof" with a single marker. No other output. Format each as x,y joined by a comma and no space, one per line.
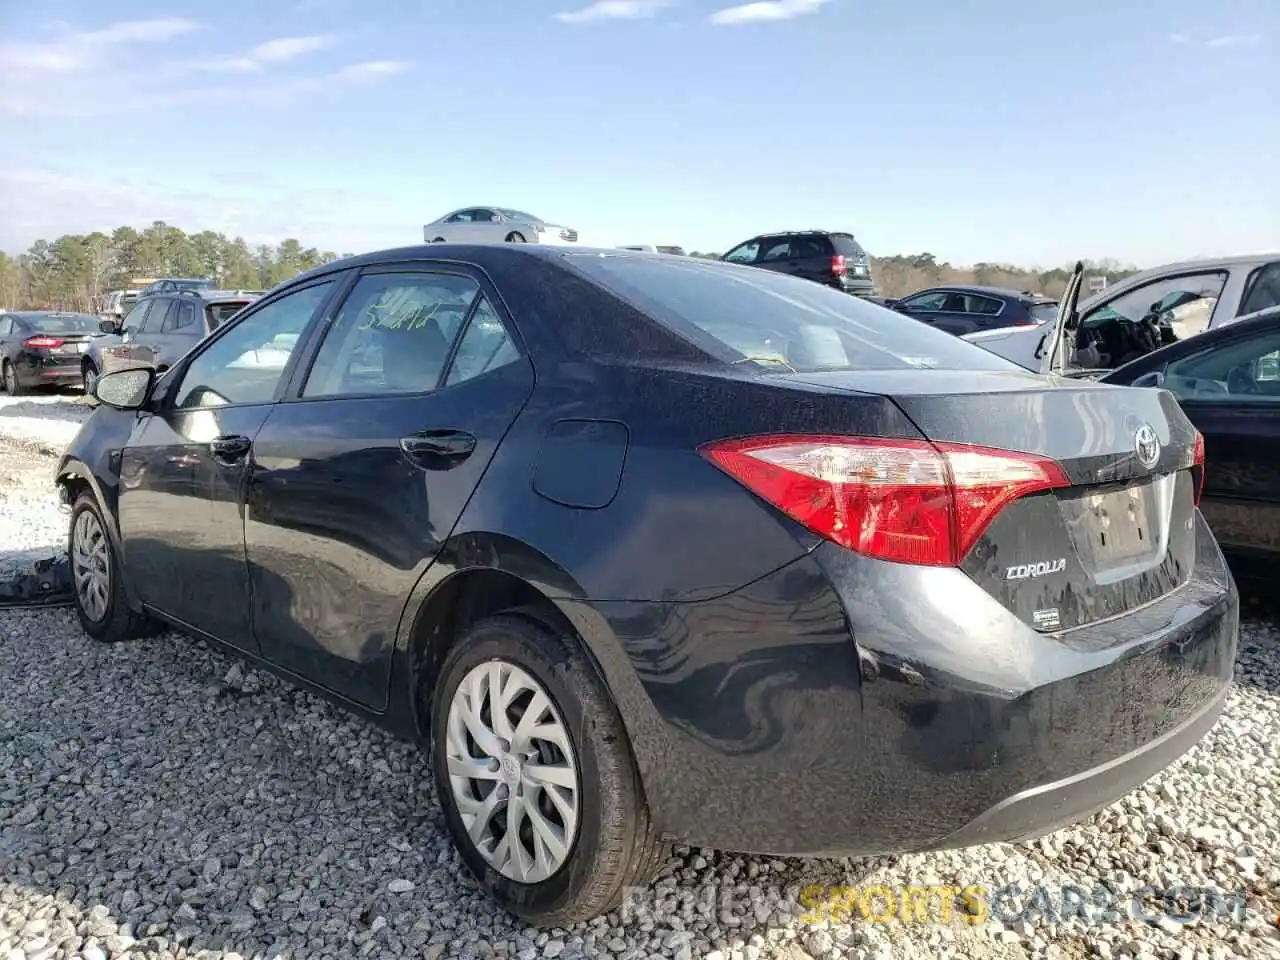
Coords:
480,254
206,294
28,314
1006,292
1241,260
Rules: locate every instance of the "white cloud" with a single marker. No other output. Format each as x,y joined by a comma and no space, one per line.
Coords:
1177,38
264,54
614,10
83,73
79,51
1235,40
765,11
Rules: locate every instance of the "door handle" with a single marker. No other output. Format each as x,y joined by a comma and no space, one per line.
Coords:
431,447
229,448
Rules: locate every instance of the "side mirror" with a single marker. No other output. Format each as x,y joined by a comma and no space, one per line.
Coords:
107,326
1153,379
125,389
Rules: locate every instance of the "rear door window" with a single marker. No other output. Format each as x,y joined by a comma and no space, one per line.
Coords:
778,321
774,250
1262,289
393,335
987,306
811,248
181,318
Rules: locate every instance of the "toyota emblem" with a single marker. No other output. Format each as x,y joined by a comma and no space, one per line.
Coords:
1147,446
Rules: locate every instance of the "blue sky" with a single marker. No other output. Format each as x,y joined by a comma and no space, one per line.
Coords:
1032,133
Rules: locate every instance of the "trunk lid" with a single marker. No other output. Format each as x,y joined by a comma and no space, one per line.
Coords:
64,347
1120,536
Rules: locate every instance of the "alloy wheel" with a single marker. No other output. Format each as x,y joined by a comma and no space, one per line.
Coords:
90,379
91,565
513,772
10,380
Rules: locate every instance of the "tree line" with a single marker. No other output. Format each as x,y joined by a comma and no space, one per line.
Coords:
75,270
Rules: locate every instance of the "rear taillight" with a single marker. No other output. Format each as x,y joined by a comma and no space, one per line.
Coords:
909,501
838,266
42,342
1197,466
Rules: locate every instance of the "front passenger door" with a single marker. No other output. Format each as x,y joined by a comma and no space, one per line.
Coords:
185,467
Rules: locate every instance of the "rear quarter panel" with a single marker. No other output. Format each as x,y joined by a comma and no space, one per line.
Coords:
677,529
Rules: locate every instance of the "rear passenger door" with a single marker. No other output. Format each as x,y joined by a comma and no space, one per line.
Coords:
362,471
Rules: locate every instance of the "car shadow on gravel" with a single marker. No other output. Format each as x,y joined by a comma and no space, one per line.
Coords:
166,795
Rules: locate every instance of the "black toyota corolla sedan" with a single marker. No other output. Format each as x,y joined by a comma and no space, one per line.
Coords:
649,549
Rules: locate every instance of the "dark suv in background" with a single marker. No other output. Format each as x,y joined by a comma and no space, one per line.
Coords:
834,259
162,328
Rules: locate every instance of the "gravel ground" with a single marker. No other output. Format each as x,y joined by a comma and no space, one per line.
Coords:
157,799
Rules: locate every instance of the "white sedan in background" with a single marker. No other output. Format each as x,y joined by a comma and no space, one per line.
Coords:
495,225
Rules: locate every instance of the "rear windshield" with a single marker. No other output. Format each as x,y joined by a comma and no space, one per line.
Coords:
1043,312
744,314
219,313
64,323
847,246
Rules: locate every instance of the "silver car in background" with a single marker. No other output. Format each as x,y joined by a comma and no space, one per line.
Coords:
495,225
161,329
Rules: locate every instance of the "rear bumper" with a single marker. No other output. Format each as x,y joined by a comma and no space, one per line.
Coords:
1042,809
760,725
35,373
858,286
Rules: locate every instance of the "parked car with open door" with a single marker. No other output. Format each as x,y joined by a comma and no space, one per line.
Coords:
1151,309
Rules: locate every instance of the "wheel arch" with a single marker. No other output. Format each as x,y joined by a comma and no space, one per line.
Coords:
480,575
74,477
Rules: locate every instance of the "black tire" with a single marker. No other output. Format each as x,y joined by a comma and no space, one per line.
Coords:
88,372
438,240
118,623
12,385
514,237
616,847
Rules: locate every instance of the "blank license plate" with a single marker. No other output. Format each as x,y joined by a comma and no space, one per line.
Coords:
1119,525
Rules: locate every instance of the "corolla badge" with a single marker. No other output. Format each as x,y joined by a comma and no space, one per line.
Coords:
1146,445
